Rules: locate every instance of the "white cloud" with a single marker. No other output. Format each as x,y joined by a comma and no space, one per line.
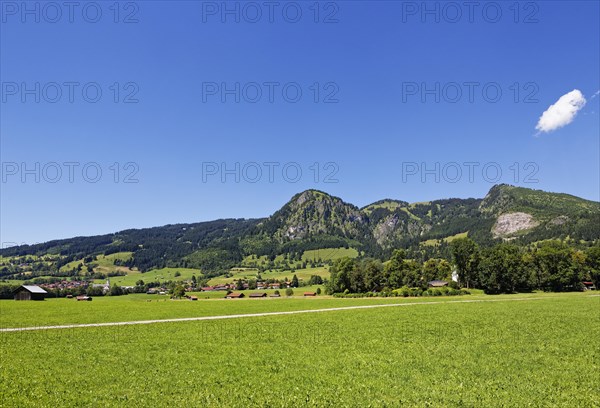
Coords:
562,112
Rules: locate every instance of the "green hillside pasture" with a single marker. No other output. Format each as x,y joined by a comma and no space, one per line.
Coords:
544,205
253,260
327,254
302,274
387,204
542,352
159,275
6,259
105,263
413,205
434,242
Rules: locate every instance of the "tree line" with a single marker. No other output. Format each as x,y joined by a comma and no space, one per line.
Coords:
551,265
503,268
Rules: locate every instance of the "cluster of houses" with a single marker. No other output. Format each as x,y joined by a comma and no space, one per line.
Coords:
75,284
259,286
66,285
225,287
258,295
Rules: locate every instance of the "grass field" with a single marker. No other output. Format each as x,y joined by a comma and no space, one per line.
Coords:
323,254
329,254
105,263
539,351
161,275
434,242
389,205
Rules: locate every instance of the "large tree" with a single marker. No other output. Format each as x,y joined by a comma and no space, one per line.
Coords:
592,263
502,269
340,275
373,275
465,254
436,269
400,272
556,268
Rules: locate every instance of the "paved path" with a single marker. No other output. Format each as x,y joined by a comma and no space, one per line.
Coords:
239,316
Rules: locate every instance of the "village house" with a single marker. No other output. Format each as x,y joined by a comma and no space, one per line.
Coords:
65,285
214,288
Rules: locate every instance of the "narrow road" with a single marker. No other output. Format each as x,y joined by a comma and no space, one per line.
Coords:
240,316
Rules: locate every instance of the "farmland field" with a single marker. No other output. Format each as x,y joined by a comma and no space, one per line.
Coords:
329,254
158,275
105,263
515,350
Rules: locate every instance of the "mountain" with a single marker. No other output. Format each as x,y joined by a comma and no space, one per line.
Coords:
313,213
314,220
534,215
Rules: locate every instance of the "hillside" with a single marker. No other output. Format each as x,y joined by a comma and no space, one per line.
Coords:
310,221
534,215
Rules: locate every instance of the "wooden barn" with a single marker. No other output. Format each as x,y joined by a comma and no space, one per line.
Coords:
29,292
234,295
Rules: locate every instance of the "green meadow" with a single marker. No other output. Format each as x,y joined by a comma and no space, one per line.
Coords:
515,350
329,254
155,275
433,242
104,263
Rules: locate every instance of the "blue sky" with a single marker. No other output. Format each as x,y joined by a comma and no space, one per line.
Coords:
393,110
